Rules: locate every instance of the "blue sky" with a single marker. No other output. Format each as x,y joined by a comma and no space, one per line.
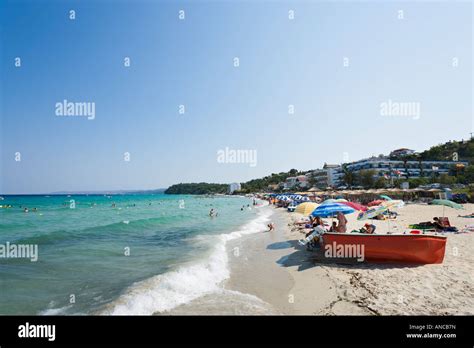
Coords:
282,62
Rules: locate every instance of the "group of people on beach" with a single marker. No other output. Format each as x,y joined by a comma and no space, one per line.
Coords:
337,226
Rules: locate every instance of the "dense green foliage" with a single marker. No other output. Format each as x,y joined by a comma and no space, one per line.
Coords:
450,151
453,150
201,188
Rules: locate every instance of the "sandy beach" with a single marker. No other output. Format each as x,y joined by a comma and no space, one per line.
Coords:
284,278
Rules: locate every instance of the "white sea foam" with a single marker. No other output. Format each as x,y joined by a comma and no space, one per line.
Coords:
55,311
169,290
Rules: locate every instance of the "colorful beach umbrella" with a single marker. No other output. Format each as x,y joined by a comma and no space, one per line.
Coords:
374,203
394,203
306,208
387,198
372,212
331,209
356,206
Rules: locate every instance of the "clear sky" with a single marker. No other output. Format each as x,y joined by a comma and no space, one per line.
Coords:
190,62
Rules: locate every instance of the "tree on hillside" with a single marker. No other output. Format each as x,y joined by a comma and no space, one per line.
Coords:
380,182
366,178
469,174
348,177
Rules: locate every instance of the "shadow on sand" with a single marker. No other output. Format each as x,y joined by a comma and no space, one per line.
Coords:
305,259
279,245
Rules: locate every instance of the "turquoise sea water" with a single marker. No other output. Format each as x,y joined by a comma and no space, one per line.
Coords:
177,252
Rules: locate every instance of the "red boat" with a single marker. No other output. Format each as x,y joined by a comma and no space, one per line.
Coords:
403,248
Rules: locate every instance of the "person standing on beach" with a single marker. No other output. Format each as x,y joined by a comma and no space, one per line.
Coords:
341,222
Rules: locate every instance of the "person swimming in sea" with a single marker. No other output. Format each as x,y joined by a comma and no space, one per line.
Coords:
25,210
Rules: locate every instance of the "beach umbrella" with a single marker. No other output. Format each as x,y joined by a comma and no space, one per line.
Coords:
329,200
387,198
306,208
447,203
372,212
394,203
341,200
374,203
355,206
331,209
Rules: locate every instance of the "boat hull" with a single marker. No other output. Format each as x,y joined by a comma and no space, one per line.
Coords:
400,248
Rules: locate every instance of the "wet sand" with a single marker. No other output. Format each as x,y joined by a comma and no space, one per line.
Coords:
271,274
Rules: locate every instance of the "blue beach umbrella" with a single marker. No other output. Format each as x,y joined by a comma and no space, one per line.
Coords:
387,198
331,209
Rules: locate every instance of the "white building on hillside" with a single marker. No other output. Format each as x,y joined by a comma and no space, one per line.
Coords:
233,187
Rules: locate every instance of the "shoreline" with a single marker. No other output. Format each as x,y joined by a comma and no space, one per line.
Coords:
294,281
270,274
274,256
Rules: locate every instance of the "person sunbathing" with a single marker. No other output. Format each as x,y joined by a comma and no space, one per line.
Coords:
467,216
317,222
305,222
435,224
368,228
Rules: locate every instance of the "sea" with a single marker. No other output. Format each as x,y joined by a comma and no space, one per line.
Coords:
122,254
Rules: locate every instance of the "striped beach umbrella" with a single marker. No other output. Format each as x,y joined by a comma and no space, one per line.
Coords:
372,212
331,209
356,206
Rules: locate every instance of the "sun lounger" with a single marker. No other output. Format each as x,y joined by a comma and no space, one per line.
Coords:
317,231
